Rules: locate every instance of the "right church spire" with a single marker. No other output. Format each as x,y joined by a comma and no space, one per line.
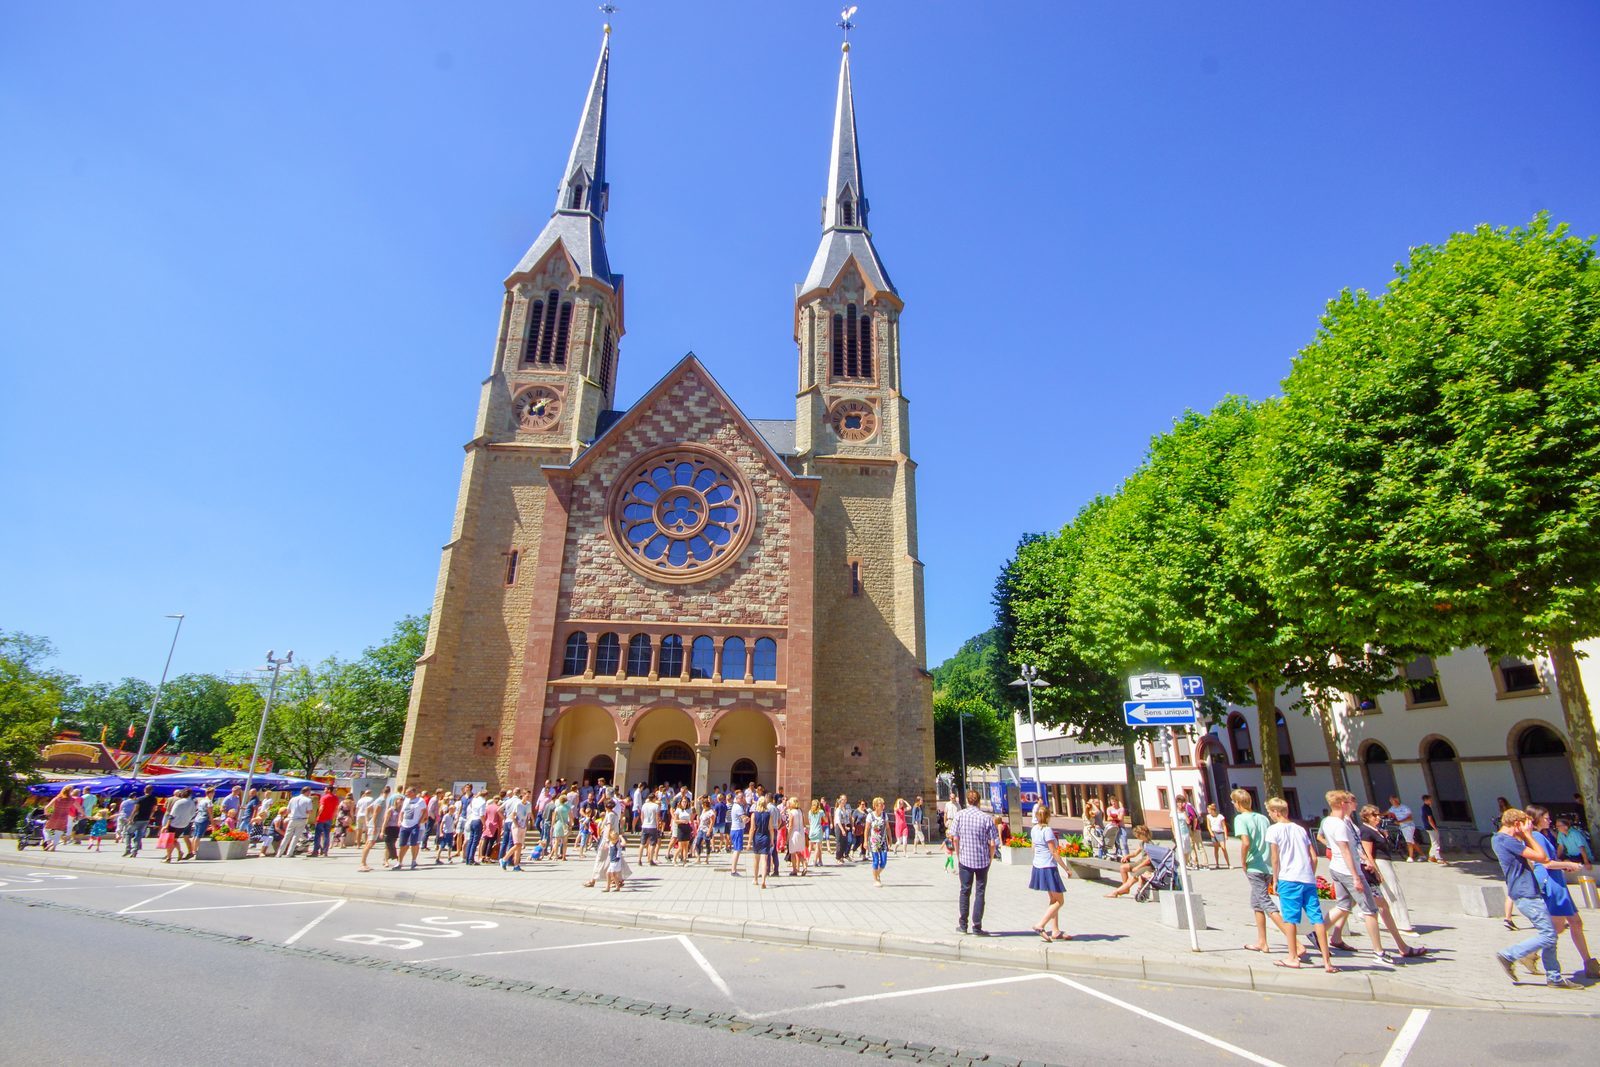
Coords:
844,209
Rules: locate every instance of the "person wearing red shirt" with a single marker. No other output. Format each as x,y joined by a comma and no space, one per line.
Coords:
327,812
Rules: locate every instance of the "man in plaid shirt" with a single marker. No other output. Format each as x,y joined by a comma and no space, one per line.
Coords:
975,838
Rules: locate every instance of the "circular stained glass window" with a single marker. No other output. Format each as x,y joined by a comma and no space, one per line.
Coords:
680,514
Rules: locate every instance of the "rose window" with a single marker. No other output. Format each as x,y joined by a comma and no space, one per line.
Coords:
681,514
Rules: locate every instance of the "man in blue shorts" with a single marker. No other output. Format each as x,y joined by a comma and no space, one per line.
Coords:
1294,872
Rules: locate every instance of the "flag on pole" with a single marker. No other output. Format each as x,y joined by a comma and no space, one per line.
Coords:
130,731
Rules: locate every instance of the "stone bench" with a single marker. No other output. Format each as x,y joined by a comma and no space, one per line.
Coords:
1483,901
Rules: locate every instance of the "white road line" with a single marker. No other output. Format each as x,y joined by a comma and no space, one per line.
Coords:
1215,1042
233,907
1406,1038
906,993
546,948
308,927
705,965
131,908
63,888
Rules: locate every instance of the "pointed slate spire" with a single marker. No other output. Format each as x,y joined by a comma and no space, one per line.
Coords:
578,221
844,208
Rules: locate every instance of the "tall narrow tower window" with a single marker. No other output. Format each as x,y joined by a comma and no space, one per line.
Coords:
547,332
608,355
847,213
563,335
577,198
530,328
838,346
852,363
866,346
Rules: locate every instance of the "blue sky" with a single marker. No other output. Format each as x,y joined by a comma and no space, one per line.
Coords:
253,256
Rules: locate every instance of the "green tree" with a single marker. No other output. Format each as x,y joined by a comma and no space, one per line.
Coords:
1171,578
1040,621
30,701
309,720
987,734
973,673
197,706
1433,468
91,707
377,687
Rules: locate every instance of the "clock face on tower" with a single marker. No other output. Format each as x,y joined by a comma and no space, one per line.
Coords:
537,407
854,420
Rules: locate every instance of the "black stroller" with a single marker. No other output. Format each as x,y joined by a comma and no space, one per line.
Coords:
31,830
1163,874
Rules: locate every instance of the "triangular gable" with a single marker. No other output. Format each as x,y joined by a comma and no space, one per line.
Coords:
689,364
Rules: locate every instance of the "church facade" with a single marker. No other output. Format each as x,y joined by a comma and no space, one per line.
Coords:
676,593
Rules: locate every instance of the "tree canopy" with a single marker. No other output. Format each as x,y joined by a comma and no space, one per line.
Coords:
30,701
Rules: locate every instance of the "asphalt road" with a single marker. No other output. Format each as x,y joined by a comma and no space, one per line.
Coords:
370,982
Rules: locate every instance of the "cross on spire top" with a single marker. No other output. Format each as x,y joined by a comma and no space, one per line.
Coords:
846,24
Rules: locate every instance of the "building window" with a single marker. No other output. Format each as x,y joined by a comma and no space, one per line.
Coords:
1185,757
671,656
608,356
511,567
838,345
531,327
1449,786
733,659
765,661
847,211
1379,773
703,658
563,335
866,346
1517,675
1255,797
743,773
1545,769
576,660
577,197
1161,798
855,577
1285,749
639,656
1157,755
607,655
1239,740
1291,797
1422,683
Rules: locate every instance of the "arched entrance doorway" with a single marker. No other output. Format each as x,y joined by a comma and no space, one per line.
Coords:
672,764
583,737
744,773
600,767
1544,769
1378,773
1449,785
1219,785
744,750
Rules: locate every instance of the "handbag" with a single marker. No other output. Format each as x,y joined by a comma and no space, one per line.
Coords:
167,840
1371,875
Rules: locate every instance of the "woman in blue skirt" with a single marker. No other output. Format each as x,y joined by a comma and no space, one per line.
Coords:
1046,875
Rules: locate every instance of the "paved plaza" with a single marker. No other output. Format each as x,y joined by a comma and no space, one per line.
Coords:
914,915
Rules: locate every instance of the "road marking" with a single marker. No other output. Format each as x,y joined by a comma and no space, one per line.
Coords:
131,908
63,888
229,907
1215,1042
308,927
705,965
546,948
906,993
1406,1038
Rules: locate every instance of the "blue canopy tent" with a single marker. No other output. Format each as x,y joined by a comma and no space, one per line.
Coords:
114,786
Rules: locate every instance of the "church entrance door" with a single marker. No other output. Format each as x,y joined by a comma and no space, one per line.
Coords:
673,764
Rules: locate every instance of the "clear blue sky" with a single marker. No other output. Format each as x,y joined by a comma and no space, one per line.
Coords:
253,256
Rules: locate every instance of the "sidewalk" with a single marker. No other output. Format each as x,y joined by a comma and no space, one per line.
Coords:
914,915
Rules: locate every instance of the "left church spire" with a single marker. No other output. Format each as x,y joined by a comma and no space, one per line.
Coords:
578,220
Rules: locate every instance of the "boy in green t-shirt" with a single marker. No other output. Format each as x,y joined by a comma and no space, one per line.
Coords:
1250,827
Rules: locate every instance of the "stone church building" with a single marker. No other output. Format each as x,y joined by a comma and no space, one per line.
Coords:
677,593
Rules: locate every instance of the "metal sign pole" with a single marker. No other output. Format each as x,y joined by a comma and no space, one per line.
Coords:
1177,839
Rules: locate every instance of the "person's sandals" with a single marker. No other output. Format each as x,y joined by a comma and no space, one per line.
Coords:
1413,952
1059,936
1341,946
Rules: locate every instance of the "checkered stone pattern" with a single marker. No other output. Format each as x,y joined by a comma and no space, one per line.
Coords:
754,590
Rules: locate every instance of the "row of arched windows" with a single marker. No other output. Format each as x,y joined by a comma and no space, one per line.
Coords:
738,662
548,329
852,344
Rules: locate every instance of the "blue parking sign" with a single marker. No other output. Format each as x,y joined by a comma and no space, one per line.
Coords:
1193,686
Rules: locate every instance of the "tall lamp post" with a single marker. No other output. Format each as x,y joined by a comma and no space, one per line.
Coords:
155,701
1030,681
961,729
272,691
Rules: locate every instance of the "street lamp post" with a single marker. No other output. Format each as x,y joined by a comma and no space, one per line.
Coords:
155,701
961,728
272,691
1030,681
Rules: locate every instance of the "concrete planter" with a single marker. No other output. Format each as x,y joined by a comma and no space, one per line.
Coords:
221,850
1016,857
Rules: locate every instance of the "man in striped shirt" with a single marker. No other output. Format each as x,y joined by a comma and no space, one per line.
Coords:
975,838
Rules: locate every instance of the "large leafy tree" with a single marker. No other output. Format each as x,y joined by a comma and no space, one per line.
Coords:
1039,611
196,706
30,702
377,687
1434,465
973,673
987,734
100,706
1171,579
308,723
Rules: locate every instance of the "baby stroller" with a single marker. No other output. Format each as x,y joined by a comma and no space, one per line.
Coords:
1094,839
1163,874
30,831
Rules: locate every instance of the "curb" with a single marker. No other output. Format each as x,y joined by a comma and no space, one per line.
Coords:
1058,959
